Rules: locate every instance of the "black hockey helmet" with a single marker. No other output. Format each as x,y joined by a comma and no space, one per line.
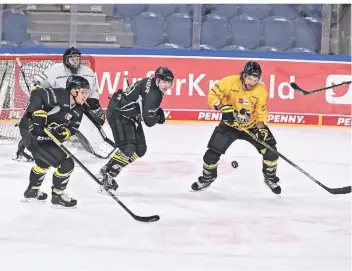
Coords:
164,73
252,68
77,82
72,52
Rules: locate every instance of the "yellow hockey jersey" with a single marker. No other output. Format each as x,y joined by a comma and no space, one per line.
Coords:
229,91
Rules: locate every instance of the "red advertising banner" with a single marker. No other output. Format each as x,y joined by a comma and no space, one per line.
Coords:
194,76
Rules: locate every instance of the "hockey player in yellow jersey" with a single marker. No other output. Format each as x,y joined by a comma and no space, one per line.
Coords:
242,99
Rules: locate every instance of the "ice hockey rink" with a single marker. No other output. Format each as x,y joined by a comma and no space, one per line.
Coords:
237,224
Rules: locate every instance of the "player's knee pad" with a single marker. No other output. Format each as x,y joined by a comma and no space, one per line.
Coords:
269,155
219,141
141,150
67,165
211,157
128,149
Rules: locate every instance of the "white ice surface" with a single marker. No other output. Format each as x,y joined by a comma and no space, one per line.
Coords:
237,224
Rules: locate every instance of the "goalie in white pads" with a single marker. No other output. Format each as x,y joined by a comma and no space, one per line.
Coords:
55,77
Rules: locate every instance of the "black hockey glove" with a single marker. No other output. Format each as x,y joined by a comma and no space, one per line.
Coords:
228,113
158,115
60,132
94,109
262,134
98,115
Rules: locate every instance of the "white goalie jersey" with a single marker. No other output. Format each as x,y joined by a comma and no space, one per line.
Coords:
56,77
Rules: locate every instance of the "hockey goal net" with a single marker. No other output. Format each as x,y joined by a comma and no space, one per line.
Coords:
14,92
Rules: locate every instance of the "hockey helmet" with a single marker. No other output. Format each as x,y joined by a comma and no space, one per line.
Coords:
165,74
72,52
77,82
252,68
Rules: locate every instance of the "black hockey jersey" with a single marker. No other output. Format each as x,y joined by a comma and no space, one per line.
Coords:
56,103
141,100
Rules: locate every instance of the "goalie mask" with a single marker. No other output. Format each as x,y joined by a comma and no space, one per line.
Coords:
72,59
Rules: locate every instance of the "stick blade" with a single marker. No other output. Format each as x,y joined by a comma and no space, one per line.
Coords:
300,90
147,219
341,190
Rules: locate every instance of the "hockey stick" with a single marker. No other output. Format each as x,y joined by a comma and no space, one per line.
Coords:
341,190
19,63
153,218
305,92
4,74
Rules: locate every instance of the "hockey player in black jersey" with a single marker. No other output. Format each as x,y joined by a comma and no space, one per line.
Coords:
56,76
60,111
125,114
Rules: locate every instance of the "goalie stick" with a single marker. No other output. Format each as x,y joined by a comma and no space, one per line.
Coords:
152,218
305,92
341,190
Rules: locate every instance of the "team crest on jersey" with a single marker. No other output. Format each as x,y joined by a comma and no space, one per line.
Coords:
68,116
243,101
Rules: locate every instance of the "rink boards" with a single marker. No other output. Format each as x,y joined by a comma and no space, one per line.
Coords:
196,72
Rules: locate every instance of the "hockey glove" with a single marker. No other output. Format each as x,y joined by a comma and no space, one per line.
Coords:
60,132
262,134
98,115
228,113
158,115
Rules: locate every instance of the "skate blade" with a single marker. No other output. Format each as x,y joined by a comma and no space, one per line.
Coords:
58,206
32,200
23,160
200,190
102,191
276,194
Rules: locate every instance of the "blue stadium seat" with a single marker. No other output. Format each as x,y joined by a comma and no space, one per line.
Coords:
257,11
245,31
32,44
308,34
278,32
188,9
214,31
169,46
148,29
7,44
227,10
288,11
266,49
14,27
130,10
301,50
162,9
179,29
234,48
313,10
207,47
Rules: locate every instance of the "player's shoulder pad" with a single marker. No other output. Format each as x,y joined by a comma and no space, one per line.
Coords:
86,70
261,89
56,67
49,95
231,78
